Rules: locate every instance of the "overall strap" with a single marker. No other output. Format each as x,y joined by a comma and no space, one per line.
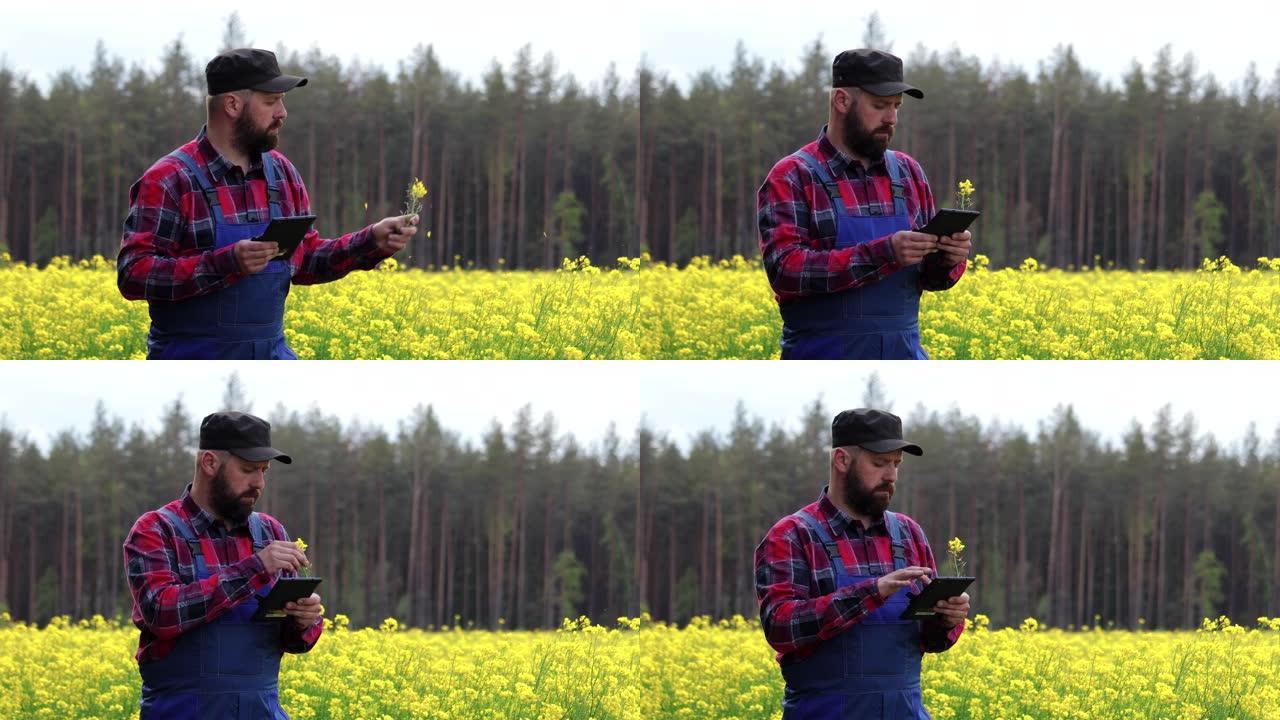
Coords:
820,169
209,191
897,539
188,534
258,529
894,165
273,184
829,544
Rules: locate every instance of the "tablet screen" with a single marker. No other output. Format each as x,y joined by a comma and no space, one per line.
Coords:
921,606
286,590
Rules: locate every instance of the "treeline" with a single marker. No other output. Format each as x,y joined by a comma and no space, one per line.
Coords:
529,525
530,165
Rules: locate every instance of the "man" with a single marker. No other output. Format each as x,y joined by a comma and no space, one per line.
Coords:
197,568
831,580
836,226
189,247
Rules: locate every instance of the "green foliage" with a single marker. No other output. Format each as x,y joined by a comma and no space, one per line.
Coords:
568,574
1208,217
567,214
1208,572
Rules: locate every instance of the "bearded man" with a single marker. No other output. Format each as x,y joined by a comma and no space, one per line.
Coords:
832,582
837,225
197,568
191,244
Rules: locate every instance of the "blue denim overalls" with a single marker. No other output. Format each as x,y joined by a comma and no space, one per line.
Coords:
228,668
243,321
870,671
880,321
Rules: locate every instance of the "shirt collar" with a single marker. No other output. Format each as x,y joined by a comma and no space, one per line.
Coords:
841,522
840,163
217,165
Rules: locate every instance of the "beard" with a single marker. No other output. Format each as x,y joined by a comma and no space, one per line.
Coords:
251,140
862,139
226,503
869,503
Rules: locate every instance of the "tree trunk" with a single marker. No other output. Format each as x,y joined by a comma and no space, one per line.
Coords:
1160,550
32,220
78,241
1023,238
1188,203
641,197
672,219
719,200
1188,564
444,564
640,554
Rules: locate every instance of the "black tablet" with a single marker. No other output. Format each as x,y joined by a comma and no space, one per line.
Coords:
942,588
287,233
950,222
286,590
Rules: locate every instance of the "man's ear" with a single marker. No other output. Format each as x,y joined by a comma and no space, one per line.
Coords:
209,461
842,99
232,104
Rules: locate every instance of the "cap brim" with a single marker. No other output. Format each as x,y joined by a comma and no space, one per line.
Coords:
281,84
261,454
884,446
893,88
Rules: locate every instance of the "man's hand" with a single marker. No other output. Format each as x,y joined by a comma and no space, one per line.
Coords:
955,248
306,611
953,611
911,247
393,233
889,584
253,255
281,555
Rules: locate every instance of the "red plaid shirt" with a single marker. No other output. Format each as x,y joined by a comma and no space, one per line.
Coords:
798,225
799,604
167,252
161,572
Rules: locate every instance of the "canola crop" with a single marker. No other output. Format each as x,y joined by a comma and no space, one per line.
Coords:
640,669
644,310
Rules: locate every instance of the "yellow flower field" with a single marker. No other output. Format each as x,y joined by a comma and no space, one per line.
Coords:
704,311
644,670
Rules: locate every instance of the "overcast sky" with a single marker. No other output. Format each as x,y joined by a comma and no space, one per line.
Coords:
678,37
678,399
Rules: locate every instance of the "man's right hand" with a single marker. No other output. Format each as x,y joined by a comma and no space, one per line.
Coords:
889,584
253,255
281,555
911,247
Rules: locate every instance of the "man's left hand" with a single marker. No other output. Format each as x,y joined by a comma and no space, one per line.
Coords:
953,611
307,611
955,248
393,233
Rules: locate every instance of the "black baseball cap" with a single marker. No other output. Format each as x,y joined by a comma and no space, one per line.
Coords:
248,69
243,435
875,71
874,430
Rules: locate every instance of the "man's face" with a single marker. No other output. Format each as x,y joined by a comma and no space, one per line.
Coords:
870,480
257,128
870,123
236,487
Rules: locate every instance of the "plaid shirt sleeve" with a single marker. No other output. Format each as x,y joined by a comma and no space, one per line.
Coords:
792,617
934,636
162,603
795,261
293,639
157,259
935,273
320,260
